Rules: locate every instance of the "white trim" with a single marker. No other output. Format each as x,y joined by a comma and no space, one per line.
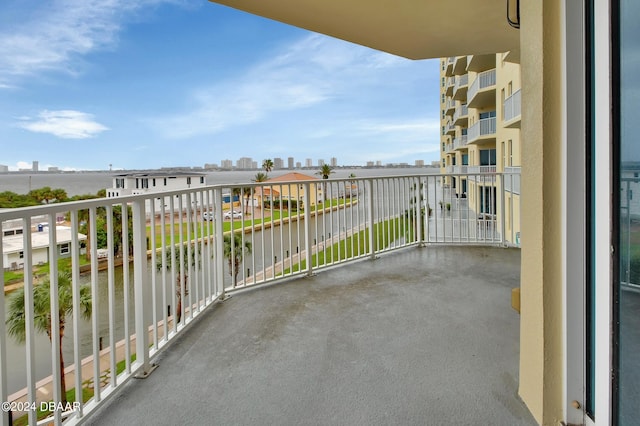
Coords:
602,243
573,209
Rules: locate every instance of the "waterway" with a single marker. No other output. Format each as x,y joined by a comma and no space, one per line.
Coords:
278,242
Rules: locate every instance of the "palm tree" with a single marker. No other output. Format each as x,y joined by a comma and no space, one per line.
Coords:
42,314
181,279
260,177
325,171
234,250
267,165
247,192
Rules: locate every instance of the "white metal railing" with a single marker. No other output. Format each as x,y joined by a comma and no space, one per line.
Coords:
484,80
450,105
461,111
512,106
512,179
461,81
451,59
460,141
483,127
450,127
150,268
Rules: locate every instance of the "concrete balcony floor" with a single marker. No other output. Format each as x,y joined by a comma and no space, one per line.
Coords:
423,336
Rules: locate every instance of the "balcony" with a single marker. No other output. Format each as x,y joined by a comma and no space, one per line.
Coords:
360,329
450,129
450,107
461,115
449,84
460,65
512,180
449,65
460,87
479,63
483,130
482,92
460,142
512,110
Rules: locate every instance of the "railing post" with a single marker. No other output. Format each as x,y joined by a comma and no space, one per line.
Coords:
141,287
419,205
54,303
4,415
307,226
219,242
502,207
372,244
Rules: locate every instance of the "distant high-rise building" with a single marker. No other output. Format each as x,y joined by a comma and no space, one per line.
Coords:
3,168
290,163
308,162
254,164
298,165
226,164
53,169
34,166
278,163
369,163
419,163
320,162
334,162
379,163
244,163
210,166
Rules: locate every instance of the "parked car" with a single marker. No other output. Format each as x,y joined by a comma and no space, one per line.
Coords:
232,214
208,215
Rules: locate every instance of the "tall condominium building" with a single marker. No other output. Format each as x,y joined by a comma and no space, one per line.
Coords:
3,168
419,163
308,162
34,166
226,164
244,163
290,163
320,162
278,163
480,134
334,162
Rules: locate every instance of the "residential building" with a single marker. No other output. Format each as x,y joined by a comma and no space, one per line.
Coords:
3,168
419,163
320,162
290,163
334,162
34,166
13,252
278,164
291,191
308,162
480,135
244,163
226,164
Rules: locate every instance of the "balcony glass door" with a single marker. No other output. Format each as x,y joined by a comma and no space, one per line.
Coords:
626,91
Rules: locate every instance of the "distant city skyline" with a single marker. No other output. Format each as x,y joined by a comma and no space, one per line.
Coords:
143,85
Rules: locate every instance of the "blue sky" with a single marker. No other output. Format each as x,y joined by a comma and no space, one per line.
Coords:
160,83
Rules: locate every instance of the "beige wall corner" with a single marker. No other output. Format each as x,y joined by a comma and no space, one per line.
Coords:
541,283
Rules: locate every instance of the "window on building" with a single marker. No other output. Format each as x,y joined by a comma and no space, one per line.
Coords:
442,146
442,81
465,159
443,98
21,255
64,248
153,182
504,154
202,180
510,153
488,114
165,181
188,181
145,183
487,157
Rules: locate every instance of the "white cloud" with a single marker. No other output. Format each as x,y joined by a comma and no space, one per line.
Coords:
66,124
50,35
309,72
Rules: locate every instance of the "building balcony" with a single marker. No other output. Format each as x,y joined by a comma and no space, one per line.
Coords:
512,110
449,85
449,107
461,115
460,142
460,88
450,129
482,91
512,180
460,65
479,63
483,130
449,65
184,260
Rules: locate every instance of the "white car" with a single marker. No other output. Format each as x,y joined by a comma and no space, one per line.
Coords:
233,214
208,215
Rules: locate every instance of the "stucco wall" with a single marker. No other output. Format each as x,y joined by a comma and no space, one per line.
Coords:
541,282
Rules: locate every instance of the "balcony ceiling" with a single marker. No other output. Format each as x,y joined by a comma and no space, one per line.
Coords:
415,29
